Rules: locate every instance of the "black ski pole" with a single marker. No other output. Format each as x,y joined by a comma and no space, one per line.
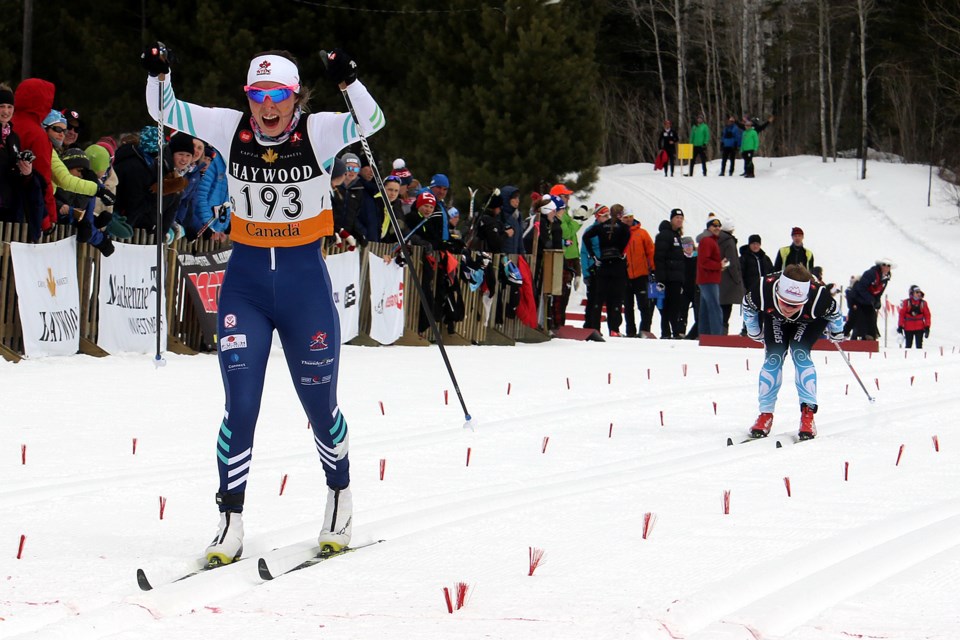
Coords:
854,371
406,254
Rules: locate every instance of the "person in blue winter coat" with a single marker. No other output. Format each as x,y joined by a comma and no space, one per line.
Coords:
510,219
588,248
211,206
730,144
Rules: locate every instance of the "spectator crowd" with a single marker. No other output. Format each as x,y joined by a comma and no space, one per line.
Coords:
53,172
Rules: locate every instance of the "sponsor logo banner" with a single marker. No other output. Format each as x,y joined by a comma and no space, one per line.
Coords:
344,272
386,301
203,276
128,301
49,297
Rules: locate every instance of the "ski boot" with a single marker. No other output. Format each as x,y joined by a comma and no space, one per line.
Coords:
228,543
761,428
808,429
337,521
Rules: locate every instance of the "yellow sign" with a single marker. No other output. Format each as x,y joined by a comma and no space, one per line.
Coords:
684,151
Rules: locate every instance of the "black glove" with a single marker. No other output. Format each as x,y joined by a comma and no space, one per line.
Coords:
339,65
876,304
900,330
106,196
926,332
156,58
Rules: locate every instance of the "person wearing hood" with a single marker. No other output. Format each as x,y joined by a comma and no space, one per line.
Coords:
19,187
510,219
866,298
32,102
914,318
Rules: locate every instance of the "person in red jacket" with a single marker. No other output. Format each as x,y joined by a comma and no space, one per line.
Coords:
710,266
914,323
640,265
32,102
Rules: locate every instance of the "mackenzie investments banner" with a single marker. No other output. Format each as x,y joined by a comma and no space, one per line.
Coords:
128,301
344,271
46,279
203,275
386,300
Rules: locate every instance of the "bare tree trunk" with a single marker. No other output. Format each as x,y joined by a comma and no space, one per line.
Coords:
844,84
681,67
744,56
821,36
833,129
863,6
758,61
656,42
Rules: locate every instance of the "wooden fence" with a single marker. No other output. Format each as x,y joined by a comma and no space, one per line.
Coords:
183,320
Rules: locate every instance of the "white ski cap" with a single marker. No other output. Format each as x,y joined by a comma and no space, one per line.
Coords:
399,163
791,291
273,68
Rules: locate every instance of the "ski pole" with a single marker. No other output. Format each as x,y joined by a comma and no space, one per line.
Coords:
854,371
158,359
428,312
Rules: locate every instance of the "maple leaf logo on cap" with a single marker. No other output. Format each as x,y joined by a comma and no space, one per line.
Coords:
264,68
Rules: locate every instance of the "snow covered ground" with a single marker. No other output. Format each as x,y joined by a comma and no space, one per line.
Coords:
634,427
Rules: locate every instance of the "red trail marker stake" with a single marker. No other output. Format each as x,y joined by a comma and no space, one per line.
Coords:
23,539
684,371
726,502
446,596
911,381
717,365
846,471
134,446
936,377
846,389
546,439
283,483
508,388
748,364
609,378
462,588
786,483
936,444
610,433
714,407
648,374
661,417
899,455
23,454
446,396
568,384
536,559
468,456
382,411
876,381
649,519
163,506
383,467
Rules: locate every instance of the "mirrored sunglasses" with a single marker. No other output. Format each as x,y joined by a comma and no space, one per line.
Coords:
276,94
353,169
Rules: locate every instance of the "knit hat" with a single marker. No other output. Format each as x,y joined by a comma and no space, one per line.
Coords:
426,197
886,261
148,140
108,143
181,143
6,96
496,202
75,159
796,230
99,158
350,158
453,212
399,163
676,212
729,223
915,289
753,238
713,218
338,169
54,117
600,210
440,180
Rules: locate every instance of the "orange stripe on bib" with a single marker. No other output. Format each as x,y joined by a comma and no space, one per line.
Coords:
281,234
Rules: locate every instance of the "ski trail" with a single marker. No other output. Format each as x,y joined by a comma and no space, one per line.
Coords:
774,597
